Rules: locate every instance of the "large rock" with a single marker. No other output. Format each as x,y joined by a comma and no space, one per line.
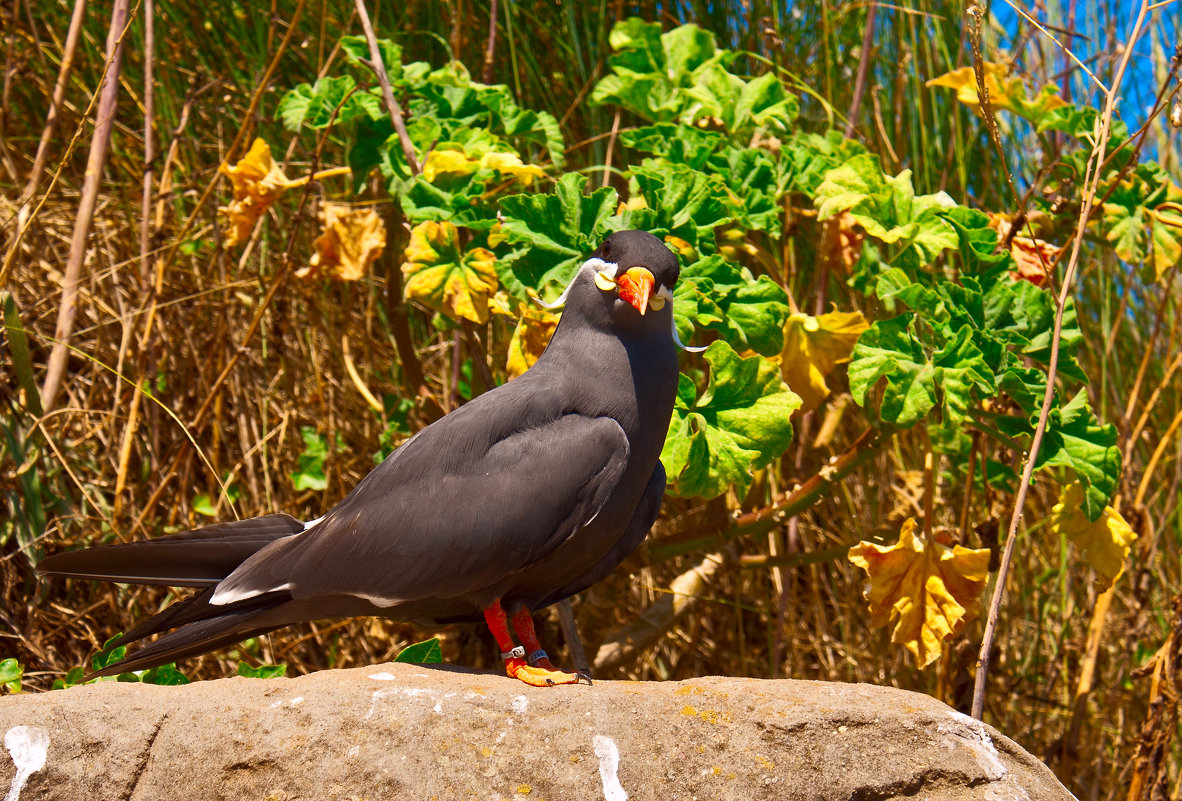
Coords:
414,732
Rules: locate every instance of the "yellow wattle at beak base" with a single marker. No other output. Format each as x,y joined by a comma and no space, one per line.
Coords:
636,286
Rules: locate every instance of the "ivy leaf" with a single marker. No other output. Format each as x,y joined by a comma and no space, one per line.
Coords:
736,426
807,158
888,209
813,347
922,588
1005,92
889,350
681,76
688,203
331,100
1166,235
310,473
960,368
258,182
1075,439
749,313
680,144
443,276
750,176
11,672
351,239
165,675
1104,542
356,50
427,652
262,671
557,231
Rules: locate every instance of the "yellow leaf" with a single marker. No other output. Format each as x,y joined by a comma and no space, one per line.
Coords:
447,161
258,182
350,241
683,248
1166,234
1004,91
923,588
441,275
813,346
1105,542
510,164
530,337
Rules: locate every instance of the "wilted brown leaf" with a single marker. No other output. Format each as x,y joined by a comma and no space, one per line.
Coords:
351,239
258,182
923,588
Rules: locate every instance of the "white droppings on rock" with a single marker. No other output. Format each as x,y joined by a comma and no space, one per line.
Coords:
354,751
971,732
28,746
520,704
609,768
438,708
299,699
378,695
383,676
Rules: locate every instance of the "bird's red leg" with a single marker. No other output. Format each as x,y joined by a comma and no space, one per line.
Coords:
523,624
515,664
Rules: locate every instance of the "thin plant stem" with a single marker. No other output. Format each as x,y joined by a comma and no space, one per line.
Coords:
104,124
1091,185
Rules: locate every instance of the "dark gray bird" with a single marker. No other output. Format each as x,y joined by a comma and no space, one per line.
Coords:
527,495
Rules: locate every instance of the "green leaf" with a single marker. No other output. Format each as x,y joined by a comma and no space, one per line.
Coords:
889,350
960,369
165,675
310,475
109,655
680,76
748,313
356,50
680,144
11,672
426,652
888,209
331,100
1075,439
73,677
262,671
688,203
556,232
739,423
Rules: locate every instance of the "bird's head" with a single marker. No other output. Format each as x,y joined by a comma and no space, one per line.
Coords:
633,273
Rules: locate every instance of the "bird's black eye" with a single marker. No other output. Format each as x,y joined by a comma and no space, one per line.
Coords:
607,248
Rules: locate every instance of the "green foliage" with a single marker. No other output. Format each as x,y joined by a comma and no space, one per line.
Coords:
203,504
310,474
262,671
680,76
427,652
10,675
736,425
963,345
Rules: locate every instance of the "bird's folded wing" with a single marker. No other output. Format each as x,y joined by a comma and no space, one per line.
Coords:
420,530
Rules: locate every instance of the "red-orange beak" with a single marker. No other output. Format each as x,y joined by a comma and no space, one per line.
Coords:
636,286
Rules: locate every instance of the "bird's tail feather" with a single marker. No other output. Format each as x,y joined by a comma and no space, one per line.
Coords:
199,558
198,627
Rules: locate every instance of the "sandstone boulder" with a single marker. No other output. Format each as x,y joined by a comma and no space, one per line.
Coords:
402,731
